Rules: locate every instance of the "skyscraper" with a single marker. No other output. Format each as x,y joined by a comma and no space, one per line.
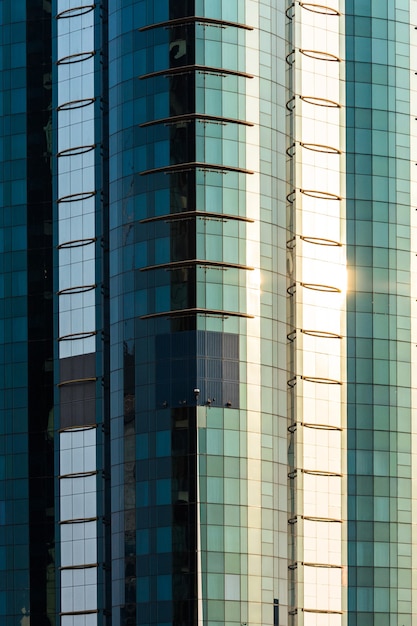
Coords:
207,309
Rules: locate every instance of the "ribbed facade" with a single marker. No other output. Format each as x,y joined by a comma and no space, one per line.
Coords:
207,304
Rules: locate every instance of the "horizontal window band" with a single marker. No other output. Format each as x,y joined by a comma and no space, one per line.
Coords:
75,104
75,290
79,520
89,612
173,265
195,165
321,334
76,243
66,568
75,11
72,429
77,336
321,102
77,381
321,241
321,380
187,215
320,287
77,150
318,147
202,69
320,55
321,195
77,197
199,117
195,19
319,8
197,311
78,57
78,475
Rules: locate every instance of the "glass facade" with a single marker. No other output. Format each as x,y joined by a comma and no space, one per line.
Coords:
207,248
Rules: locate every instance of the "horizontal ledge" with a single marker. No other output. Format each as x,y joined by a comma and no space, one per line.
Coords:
77,197
186,215
320,287
193,19
89,612
79,520
78,57
321,195
331,520
321,565
322,611
321,426
76,243
77,336
200,117
78,475
309,518
319,8
195,165
77,150
75,11
322,473
173,265
318,147
321,102
321,380
320,55
293,427
197,311
321,334
77,381
69,291
75,104
64,568
204,69
77,428
321,241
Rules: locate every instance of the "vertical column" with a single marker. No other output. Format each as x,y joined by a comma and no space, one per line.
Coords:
413,298
317,293
80,228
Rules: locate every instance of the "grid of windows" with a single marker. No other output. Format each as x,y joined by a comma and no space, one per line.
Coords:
379,358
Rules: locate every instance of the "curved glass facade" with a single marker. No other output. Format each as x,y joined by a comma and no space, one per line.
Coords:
185,209
207,304
379,313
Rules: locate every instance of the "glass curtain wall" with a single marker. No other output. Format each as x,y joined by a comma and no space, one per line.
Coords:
190,424
316,305
379,215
